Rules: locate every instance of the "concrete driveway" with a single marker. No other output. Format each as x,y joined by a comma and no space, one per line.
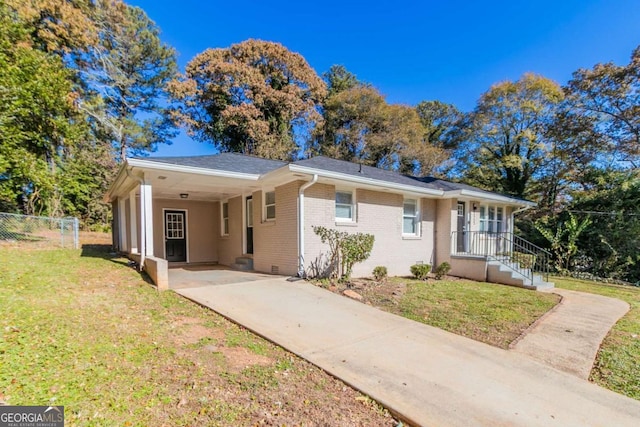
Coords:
425,375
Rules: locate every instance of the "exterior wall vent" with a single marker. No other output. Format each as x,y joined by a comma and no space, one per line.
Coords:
275,269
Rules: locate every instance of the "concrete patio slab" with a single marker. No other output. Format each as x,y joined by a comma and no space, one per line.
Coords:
426,375
569,336
207,275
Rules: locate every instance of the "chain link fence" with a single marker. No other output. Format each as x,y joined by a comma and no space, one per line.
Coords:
39,230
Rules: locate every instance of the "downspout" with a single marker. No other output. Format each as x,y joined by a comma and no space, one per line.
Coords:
143,246
301,270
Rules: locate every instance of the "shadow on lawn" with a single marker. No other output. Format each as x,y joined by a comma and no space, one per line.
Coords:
106,252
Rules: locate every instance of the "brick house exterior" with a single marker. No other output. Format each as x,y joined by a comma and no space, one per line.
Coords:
221,208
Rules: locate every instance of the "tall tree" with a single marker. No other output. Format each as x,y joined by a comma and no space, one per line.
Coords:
57,26
444,128
255,97
37,118
339,79
610,94
507,144
360,126
127,74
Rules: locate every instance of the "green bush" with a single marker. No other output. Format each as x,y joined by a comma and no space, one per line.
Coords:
442,270
525,260
345,250
420,271
380,273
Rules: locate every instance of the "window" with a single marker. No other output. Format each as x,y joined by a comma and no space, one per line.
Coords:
270,205
344,206
175,225
225,218
410,219
491,219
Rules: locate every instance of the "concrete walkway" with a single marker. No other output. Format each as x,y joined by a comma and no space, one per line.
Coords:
569,336
426,375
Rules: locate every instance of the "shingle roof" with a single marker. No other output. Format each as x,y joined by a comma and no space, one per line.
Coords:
232,162
362,171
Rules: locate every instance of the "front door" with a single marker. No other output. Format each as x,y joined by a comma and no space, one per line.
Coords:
175,235
249,222
462,227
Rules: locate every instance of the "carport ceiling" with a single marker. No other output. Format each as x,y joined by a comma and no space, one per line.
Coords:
169,185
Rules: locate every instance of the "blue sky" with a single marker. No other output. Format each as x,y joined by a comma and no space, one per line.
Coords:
452,51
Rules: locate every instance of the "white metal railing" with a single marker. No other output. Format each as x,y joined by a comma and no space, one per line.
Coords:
509,249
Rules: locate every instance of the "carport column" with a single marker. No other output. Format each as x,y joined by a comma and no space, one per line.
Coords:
133,221
122,225
146,201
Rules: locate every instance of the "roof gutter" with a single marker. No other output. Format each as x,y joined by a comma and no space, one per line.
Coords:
497,197
367,181
301,269
147,164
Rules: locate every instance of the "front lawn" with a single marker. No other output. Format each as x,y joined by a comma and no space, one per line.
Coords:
84,330
617,365
494,314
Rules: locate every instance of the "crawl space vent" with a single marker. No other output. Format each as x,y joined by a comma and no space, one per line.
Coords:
275,269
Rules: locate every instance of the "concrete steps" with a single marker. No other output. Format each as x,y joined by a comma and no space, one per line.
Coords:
510,273
243,263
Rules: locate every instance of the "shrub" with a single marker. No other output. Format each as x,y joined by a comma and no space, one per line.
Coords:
525,260
345,249
420,271
442,270
380,273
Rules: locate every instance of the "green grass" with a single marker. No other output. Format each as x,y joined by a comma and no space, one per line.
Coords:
494,314
84,330
617,365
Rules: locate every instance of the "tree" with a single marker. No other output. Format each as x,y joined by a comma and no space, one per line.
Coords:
37,119
610,247
610,95
564,239
360,126
443,131
339,79
441,122
507,144
126,74
57,26
255,97
575,144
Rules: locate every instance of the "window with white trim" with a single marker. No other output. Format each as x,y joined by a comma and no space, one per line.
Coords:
345,209
225,218
269,205
410,218
491,218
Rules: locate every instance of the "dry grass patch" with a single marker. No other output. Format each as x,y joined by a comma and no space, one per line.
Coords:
84,330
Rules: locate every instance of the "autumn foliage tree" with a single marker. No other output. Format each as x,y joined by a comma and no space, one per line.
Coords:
506,144
360,126
254,97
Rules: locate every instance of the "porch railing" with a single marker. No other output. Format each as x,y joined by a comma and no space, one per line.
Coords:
511,250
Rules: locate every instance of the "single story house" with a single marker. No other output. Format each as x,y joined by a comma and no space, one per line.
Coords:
239,210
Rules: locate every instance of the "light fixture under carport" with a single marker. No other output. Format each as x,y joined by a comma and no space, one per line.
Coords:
184,195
